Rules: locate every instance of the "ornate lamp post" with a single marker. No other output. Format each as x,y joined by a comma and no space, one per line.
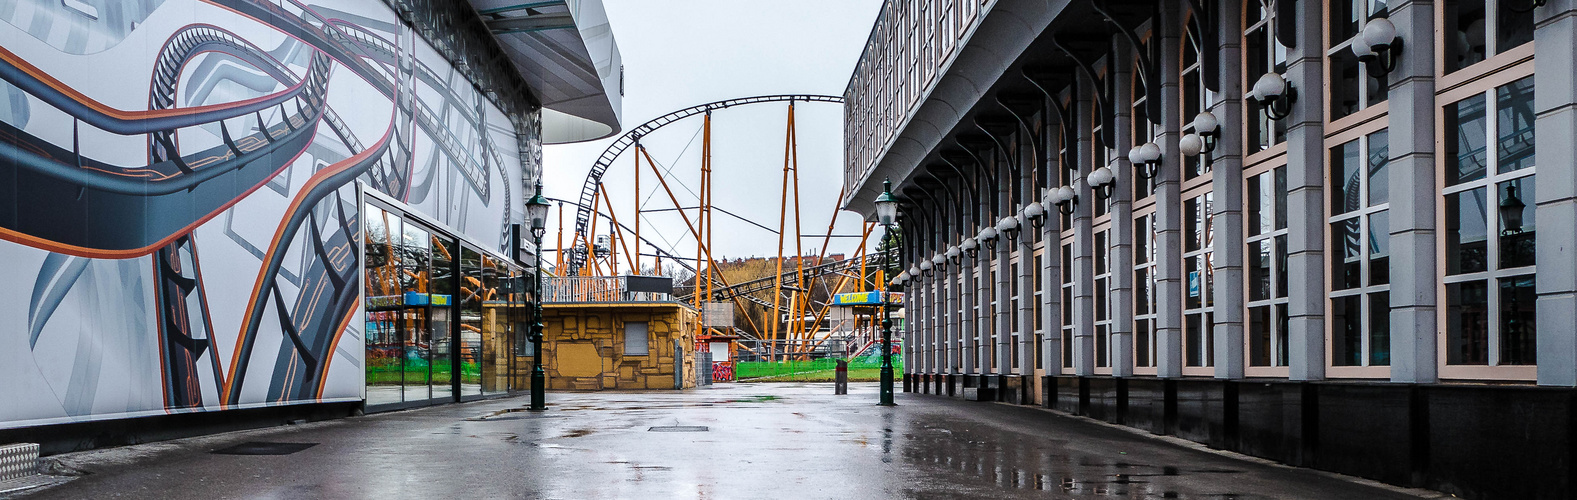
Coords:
537,211
887,214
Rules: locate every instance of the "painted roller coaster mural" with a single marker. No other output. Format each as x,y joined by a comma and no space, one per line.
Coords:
262,324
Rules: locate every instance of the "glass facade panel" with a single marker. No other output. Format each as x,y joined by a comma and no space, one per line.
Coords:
472,295
1466,232
443,289
1467,323
1380,329
1347,259
1346,189
1465,140
1516,222
1346,317
1518,325
1514,125
1465,41
416,318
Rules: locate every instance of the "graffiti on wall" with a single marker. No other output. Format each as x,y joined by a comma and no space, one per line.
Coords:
178,195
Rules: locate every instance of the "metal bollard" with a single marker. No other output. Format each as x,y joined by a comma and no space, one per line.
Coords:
841,378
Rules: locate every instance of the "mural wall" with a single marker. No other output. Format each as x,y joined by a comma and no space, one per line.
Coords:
178,196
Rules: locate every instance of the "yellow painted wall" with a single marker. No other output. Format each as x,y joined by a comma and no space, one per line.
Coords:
583,346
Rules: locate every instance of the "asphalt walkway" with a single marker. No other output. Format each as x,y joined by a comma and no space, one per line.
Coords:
727,441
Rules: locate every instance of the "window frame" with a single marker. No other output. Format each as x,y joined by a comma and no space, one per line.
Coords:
1479,79
1361,135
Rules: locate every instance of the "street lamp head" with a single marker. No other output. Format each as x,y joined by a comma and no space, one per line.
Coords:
925,266
953,253
886,205
1191,145
1206,123
938,261
1036,213
1275,95
537,212
969,245
1377,46
1511,211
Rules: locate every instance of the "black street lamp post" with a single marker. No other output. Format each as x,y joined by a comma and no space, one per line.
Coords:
537,211
887,214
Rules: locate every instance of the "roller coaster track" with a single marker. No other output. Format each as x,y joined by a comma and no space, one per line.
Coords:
593,178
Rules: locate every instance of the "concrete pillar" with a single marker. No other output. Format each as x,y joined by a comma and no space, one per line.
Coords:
1555,98
1169,205
1026,262
1305,199
1227,182
1413,192
1002,314
1051,275
967,333
1083,239
1121,256
984,326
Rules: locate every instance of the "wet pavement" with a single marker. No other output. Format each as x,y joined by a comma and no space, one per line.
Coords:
726,441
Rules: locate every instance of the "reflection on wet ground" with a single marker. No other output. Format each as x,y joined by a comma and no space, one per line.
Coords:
726,441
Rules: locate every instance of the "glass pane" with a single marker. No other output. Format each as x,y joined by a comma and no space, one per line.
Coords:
1281,335
1259,270
1102,357
1347,186
1467,323
1380,329
1100,253
1259,336
1512,28
1195,283
1516,225
1193,225
472,293
1347,257
1464,39
1141,335
1379,150
385,366
1518,327
1345,78
1346,18
1141,241
1380,248
1347,330
1102,312
1281,197
442,285
1193,336
1514,125
1465,133
1257,198
1466,232
414,278
1142,290
1281,266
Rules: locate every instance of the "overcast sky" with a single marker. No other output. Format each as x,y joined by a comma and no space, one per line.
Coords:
681,53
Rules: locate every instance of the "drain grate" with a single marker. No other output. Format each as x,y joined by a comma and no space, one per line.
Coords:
679,428
263,448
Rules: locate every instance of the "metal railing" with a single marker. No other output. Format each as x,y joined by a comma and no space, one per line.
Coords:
595,289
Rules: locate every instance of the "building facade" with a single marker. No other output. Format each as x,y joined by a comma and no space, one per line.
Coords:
230,205
1272,226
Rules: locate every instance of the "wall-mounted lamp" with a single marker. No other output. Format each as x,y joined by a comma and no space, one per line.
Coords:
1065,199
954,254
1102,181
898,281
1148,156
1275,94
1008,226
1377,46
938,261
1035,213
1207,130
969,246
925,266
987,237
914,272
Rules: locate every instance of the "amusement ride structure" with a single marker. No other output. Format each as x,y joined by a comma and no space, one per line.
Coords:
789,293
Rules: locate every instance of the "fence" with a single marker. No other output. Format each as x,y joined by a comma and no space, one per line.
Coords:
595,289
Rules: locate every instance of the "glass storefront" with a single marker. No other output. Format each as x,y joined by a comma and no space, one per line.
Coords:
425,290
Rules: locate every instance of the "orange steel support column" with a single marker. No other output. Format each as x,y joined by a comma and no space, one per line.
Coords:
708,251
777,287
616,233
706,211
591,254
799,244
700,217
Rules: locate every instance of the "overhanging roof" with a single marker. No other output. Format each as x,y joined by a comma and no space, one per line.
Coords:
565,50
